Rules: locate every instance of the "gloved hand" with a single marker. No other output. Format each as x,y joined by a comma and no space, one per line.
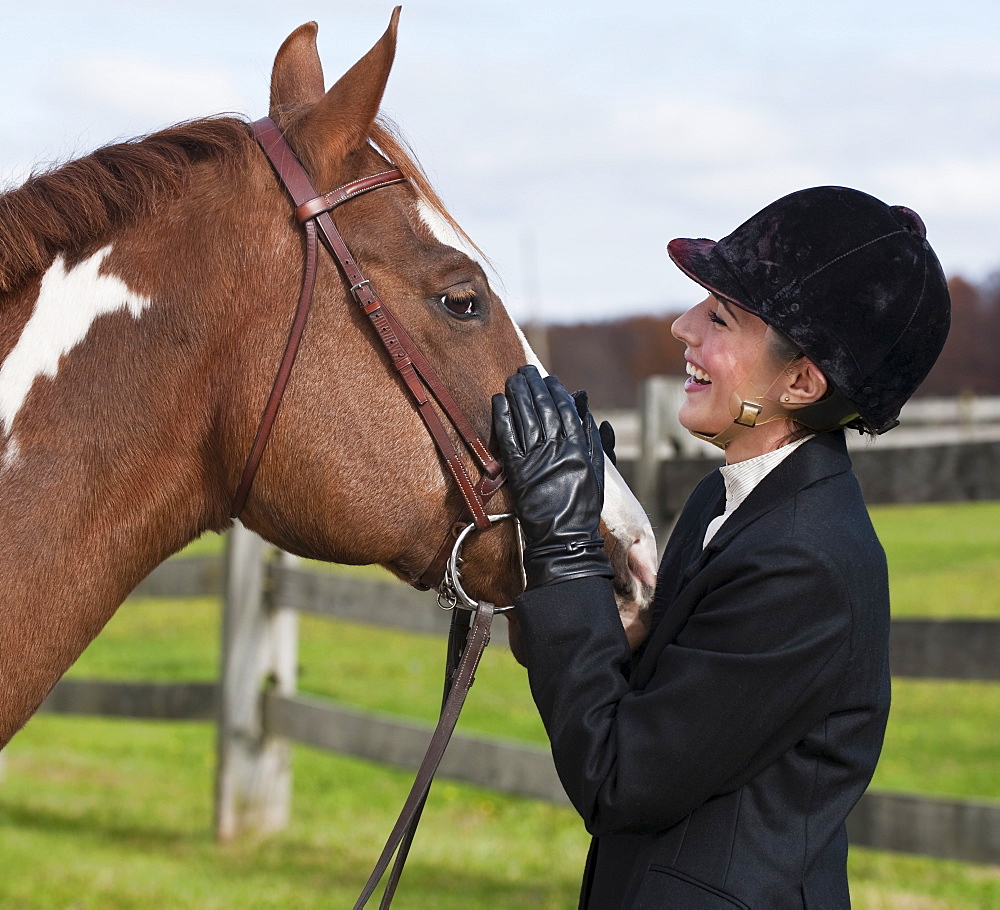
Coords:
555,473
605,430
608,440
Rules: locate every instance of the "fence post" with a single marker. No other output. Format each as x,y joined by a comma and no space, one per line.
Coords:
647,468
259,650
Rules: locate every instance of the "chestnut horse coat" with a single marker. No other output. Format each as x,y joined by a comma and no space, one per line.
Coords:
715,769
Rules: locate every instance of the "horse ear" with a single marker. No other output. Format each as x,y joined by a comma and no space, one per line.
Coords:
341,121
297,75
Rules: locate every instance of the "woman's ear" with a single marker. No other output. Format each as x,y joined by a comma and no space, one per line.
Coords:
806,383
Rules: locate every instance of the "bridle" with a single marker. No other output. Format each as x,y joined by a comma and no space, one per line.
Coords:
469,636
424,385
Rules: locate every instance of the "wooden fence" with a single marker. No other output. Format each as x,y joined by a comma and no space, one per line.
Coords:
259,712
946,450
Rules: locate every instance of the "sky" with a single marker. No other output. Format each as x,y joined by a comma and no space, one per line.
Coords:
572,140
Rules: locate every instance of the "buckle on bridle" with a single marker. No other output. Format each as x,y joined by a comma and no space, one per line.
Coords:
451,594
356,288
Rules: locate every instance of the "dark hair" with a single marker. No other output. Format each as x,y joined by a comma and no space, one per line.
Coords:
786,352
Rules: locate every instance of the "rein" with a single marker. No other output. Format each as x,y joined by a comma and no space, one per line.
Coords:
468,637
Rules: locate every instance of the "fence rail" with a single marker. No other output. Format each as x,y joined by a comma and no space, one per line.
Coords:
260,799
924,460
966,830
140,700
944,828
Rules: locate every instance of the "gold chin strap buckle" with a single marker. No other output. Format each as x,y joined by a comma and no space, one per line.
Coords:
749,412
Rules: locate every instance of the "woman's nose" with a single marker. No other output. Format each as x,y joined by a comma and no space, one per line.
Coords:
685,327
680,328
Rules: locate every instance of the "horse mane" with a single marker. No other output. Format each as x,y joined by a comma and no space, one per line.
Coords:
73,206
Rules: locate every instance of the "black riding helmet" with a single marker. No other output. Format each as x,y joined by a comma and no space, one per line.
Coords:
850,281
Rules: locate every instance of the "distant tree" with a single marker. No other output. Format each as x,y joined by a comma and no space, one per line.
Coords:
970,361
610,359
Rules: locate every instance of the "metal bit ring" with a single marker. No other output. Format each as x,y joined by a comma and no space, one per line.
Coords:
451,594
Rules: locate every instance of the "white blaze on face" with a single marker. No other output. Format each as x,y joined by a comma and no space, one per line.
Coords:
623,516
442,231
69,302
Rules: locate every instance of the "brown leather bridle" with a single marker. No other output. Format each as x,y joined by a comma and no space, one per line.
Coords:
426,388
469,635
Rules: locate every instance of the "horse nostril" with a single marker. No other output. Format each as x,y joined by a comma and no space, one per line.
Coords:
642,560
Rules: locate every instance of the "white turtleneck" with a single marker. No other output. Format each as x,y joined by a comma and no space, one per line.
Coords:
742,477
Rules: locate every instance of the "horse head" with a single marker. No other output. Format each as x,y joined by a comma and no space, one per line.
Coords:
146,293
353,462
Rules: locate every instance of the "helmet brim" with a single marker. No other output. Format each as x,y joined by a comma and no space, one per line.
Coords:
697,260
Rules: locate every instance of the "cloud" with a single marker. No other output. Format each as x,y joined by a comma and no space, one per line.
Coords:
153,91
965,187
598,135
966,57
698,131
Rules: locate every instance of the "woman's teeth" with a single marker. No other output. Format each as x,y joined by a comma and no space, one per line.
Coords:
698,375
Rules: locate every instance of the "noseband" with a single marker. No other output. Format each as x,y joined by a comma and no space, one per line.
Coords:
425,387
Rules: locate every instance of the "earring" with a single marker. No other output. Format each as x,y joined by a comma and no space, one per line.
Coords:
787,398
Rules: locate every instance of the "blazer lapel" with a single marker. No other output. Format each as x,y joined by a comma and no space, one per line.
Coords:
685,544
823,456
684,557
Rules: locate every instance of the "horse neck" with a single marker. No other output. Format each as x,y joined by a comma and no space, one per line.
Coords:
105,442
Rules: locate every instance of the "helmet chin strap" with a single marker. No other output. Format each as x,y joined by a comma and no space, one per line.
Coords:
751,409
749,414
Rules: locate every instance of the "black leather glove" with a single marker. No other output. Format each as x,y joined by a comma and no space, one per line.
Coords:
555,474
605,430
608,440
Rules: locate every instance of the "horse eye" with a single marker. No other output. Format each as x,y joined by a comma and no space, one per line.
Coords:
461,305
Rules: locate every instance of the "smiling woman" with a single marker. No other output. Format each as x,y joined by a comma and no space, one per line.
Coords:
733,356
716,767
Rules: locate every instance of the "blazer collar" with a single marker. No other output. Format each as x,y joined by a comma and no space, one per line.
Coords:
823,456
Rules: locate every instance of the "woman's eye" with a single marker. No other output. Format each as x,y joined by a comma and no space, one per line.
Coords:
460,304
716,318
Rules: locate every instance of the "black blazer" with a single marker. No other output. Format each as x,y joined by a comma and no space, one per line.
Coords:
716,767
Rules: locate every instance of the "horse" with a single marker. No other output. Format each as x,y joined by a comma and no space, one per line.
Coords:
146,292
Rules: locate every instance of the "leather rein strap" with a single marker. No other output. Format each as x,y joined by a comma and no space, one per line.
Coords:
465,648
425,386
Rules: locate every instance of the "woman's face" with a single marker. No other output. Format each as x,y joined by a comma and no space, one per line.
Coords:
727,353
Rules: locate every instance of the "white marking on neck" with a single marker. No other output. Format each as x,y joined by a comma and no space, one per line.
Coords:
442,231
68,304
623,516
529,355
10,455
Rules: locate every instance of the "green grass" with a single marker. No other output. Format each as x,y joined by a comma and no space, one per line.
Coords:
98,813
135,833
944,560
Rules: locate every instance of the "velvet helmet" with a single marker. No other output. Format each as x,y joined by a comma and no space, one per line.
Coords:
851,282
